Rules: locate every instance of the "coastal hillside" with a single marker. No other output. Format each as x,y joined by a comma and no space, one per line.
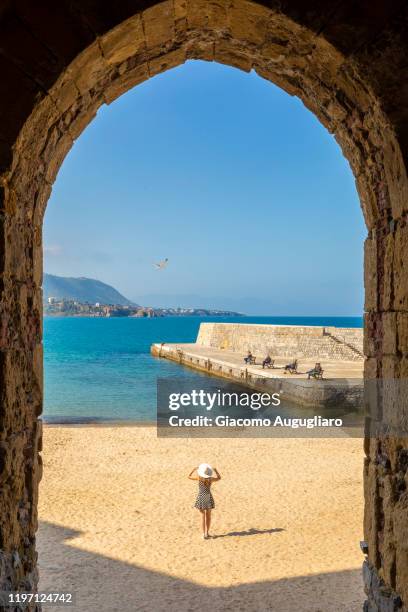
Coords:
82,290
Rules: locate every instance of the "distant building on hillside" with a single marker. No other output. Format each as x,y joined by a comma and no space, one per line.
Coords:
74,308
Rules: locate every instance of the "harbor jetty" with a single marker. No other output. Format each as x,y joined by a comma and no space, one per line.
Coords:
220,350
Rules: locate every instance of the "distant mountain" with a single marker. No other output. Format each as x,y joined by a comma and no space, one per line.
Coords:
82,290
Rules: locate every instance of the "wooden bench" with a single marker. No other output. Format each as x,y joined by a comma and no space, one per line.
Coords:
317,372
270,365
291,367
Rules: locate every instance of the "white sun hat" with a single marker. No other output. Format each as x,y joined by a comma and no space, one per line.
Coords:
204,470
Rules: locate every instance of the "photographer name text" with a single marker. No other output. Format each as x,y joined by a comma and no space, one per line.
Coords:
278,421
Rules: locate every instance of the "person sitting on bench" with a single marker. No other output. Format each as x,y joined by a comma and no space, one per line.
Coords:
316,372
291,367
267,362
249,358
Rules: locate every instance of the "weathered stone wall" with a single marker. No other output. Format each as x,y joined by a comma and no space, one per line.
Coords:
60,61
291,341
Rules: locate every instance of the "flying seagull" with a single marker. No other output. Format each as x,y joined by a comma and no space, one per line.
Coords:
162,264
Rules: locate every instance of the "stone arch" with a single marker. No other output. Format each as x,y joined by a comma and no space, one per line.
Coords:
350,88
243,34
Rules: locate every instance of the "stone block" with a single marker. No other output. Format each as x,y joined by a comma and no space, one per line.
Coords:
394,398
40,203
57,155
370,275
389,326
167,61
401,523
126,81
33,135
159,24
367,198
390,367
180,10
125,40
401,582
281,80
402,332
80,120
226,54
87,68
208,14
371,510
370,332
38,266
249,21
200,50
399,256
386,279
64,92
388,543
38,366
17,264
396,175
371,368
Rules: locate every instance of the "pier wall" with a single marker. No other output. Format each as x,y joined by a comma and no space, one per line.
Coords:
291,341
312,393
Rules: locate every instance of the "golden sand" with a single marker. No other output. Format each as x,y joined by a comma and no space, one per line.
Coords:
117,526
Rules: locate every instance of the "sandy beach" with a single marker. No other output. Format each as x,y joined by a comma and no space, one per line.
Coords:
118,529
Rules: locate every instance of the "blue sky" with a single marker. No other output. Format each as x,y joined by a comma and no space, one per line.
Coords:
232,179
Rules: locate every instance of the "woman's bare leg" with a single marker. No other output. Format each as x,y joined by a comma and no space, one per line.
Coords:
203,521
208,521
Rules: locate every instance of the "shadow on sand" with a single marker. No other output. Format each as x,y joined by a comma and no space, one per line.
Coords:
248,532
104,584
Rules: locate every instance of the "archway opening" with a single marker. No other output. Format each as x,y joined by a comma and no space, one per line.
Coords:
352,94
99,368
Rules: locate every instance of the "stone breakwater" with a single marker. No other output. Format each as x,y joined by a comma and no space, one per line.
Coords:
291,341
220,348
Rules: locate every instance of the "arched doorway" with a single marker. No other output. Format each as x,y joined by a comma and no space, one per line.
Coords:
351,88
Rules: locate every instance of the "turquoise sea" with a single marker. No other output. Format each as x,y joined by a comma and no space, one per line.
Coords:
102,370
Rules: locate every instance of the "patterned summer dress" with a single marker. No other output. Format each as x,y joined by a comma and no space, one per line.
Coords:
205,500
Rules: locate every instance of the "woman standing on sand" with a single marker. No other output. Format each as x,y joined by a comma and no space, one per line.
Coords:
205,500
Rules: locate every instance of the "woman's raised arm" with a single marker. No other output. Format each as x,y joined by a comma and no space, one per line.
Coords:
190,476
218,474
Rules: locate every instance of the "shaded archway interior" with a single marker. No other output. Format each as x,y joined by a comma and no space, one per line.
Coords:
344,89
